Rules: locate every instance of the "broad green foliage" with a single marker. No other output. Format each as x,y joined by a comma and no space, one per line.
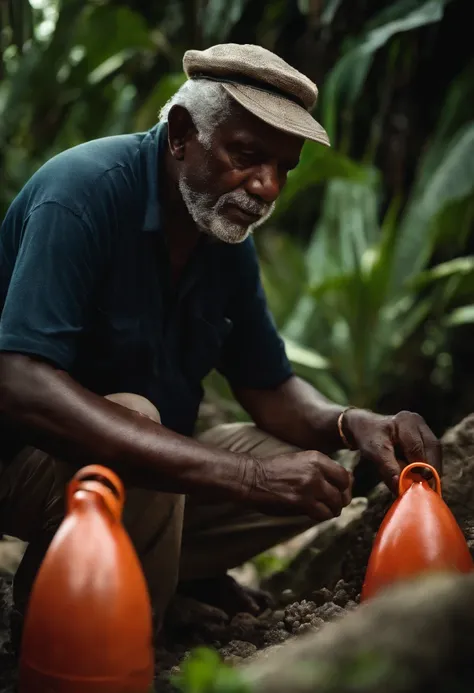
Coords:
362,303
204,672
347,78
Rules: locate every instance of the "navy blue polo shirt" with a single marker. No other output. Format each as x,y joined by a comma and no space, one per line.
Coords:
85,284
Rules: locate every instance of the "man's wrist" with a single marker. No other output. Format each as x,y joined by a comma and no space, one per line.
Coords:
233,478
344,431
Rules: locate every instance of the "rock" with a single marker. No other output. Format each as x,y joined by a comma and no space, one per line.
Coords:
238,648
11,553
318,564
276,636
287,596
414,638
458,468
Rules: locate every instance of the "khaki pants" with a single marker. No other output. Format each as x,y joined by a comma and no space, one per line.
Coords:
174,540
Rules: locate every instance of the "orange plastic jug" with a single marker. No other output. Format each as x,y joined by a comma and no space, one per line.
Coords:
418,534
88,626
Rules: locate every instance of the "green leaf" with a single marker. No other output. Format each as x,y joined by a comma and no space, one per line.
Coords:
283,271
110,66
329,11
462,266
198,672
147,115
345,82
204,672
460,316
303,356
106,31
219,17
452,180
317,165
346,230
303,6
455,113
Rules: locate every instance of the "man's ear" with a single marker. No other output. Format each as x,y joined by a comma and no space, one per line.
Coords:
181,130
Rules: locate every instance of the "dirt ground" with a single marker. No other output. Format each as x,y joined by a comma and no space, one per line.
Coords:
241,638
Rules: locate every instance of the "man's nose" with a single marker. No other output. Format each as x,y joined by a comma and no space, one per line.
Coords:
265,183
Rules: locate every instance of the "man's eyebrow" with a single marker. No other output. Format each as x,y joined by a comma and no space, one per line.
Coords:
244,139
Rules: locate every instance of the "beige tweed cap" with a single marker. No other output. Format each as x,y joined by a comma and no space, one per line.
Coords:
262,83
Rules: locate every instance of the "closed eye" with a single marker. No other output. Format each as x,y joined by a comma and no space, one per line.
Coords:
245,159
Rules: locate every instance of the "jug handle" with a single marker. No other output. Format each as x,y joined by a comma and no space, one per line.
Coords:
404,483
102,481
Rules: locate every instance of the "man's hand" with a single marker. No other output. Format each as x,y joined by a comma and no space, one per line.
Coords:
301,483
391,442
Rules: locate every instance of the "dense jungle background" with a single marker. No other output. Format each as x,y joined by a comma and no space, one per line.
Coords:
368,260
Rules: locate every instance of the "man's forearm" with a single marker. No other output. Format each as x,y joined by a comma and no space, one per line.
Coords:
64,419
297,413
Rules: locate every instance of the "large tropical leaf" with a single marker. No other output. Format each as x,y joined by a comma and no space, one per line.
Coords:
319,164
164,90
457,110
218,17
460,316
451,180
347,78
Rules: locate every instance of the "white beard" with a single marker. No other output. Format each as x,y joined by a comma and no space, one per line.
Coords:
208,217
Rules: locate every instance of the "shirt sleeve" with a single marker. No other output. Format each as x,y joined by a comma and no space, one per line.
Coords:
60,258
254,354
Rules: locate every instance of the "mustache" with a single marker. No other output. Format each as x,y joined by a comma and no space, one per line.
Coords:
246,203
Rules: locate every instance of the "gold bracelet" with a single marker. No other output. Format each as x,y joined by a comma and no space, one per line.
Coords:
339,428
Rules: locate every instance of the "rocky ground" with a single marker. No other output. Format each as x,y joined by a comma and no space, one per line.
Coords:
322,584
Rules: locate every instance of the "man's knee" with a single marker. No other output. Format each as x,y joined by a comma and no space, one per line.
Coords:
34,483
137,403
244,438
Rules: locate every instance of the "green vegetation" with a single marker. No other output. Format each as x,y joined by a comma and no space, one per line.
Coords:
204,672
367,261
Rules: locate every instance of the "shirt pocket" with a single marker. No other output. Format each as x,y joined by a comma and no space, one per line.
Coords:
203,346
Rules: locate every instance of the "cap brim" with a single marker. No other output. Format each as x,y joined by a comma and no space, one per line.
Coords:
278,112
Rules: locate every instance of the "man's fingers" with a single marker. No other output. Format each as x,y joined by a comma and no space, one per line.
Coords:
417,441
433,449
331,497
320,512
336,474
383,456
409,439
347,494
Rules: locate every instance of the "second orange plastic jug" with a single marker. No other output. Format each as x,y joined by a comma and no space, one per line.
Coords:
88,626
418,534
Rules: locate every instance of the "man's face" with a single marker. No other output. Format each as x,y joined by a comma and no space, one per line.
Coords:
230,182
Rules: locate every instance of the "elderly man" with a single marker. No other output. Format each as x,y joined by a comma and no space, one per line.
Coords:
127,273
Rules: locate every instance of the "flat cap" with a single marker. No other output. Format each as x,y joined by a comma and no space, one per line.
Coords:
263,83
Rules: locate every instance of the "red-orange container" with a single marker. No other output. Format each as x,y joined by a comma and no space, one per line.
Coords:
88,626
419,534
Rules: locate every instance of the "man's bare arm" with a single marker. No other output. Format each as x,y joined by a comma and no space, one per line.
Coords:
299,414
295,412
68,421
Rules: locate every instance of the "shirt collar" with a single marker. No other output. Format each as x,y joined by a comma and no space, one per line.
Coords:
155,147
